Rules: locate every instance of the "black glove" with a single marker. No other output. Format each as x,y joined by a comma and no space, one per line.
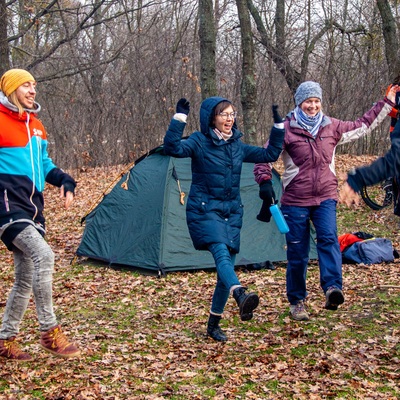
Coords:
183,106
265,212
267,194
68,187
267,191
275,114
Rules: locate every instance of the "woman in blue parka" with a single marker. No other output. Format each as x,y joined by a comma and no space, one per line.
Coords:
214,209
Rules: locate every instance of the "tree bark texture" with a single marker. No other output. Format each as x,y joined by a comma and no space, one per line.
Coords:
390,35
248,89
4,49
207,37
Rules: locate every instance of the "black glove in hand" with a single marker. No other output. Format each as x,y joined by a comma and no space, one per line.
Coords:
267,194
275,114
265,213
183,106
267,191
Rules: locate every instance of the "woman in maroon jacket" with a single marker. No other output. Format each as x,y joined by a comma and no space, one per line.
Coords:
310,190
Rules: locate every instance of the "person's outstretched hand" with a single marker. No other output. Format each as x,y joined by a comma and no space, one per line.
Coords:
69,197
277,118
392,93
183,106
348,196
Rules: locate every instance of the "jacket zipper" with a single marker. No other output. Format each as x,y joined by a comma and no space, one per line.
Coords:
33,167
6,201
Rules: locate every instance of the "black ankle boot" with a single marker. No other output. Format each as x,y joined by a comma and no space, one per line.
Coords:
213,329
246,302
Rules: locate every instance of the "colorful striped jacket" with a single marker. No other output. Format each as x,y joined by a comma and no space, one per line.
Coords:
25,167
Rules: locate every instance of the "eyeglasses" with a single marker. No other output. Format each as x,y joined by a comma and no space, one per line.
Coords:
225,115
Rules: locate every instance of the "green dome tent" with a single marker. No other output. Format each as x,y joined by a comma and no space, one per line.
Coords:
141,222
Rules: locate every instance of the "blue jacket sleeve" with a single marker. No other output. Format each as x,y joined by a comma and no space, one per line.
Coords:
381,169
58,177
173,145
271,152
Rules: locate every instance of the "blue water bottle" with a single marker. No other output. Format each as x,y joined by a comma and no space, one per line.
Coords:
279,219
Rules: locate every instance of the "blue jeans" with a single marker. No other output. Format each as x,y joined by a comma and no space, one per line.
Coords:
298,219
33,264
226,276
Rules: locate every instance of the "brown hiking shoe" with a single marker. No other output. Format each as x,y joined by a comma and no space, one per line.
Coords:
298,312
55,342
9,349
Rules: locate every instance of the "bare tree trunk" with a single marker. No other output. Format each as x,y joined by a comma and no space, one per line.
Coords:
4,50
277,54
97,72
248,88
207,49
390,37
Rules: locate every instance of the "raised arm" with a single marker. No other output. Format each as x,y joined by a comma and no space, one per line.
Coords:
173,145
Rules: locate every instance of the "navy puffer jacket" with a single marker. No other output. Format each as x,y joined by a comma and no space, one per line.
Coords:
214,209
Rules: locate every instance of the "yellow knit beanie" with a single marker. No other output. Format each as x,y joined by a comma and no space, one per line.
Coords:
13,79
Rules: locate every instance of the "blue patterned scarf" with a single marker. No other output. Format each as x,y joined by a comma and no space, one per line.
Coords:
310,124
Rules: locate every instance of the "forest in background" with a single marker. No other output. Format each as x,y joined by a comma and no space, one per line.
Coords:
110,72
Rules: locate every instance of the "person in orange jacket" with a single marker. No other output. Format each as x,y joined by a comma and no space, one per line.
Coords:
25,167
391,185
395,113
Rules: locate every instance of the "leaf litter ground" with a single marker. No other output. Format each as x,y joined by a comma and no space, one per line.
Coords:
143,337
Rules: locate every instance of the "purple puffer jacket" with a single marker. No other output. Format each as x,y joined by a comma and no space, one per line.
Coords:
309,177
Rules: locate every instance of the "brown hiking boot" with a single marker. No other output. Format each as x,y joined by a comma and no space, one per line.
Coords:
9,349
298,311
55,342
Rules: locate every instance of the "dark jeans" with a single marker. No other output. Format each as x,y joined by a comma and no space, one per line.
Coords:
298,219
226,276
